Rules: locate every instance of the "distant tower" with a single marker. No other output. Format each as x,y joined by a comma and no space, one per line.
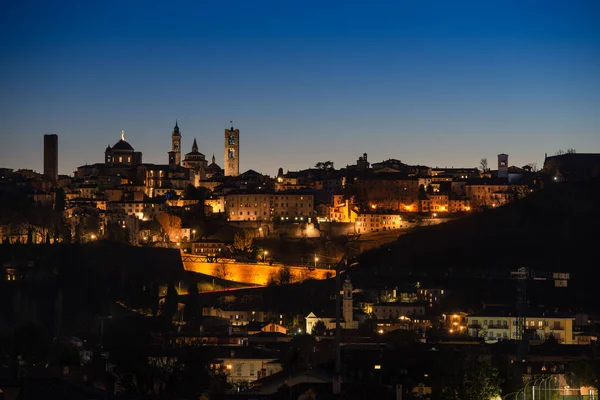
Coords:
502,166
176,145
347,301
51,157
232,152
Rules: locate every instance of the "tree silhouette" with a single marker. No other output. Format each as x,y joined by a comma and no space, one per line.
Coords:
171,301
193,299
319,328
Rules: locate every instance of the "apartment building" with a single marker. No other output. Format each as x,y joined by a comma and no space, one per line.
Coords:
367,221
294,205
498,323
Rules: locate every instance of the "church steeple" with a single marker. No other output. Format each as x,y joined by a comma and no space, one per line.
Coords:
176,145
213,159
195,146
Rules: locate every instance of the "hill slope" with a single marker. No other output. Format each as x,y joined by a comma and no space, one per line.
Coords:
552,230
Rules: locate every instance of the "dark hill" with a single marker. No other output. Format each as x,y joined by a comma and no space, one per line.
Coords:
551,230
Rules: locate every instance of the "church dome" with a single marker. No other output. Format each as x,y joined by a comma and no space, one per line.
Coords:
122,145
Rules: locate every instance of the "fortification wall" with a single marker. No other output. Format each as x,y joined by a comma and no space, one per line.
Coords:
257,274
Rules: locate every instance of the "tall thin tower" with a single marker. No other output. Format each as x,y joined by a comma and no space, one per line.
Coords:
51,157
232,151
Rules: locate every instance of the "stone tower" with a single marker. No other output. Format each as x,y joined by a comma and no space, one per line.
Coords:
51,157
502,166
347,301
176,145
232,152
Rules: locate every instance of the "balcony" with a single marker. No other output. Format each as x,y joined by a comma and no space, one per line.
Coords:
496,326
492,326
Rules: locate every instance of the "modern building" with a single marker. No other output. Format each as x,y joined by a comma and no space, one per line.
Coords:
397,310
497,323
232,152
209,248
51,157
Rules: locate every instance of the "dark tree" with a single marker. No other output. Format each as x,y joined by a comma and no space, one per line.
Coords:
422,193
192,303
319,329
59,202
171,301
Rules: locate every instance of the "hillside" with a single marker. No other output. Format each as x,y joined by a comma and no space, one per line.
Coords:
553,230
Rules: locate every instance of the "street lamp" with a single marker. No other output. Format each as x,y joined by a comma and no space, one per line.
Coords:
316,259
260,232
265,255
193,234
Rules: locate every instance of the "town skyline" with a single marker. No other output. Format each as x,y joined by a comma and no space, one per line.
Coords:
434,85
349,159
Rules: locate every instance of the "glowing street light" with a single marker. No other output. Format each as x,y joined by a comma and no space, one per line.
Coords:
265,255
316,259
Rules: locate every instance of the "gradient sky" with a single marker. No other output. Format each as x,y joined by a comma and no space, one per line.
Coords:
439,83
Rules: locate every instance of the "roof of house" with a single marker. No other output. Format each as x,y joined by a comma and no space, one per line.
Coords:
499,311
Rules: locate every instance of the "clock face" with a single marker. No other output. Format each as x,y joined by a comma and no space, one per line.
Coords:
231,139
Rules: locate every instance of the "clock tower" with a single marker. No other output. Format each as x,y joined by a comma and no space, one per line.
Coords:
176,145
232,152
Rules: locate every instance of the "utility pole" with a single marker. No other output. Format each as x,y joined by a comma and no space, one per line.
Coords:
522,275
337,378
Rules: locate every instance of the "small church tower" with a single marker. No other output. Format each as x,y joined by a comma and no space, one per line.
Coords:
502,166
347,302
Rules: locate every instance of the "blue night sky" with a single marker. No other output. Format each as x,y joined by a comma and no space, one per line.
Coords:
433,83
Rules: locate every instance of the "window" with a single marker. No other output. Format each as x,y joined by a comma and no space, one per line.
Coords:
557,325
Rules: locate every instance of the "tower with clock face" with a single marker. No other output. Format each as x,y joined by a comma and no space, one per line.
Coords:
176,144
232,152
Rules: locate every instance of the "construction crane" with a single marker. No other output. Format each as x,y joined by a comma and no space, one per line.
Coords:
522,275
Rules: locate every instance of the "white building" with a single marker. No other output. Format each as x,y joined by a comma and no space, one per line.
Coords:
348,321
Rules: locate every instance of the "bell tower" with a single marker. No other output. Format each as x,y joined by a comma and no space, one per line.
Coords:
347,302
176,145
232,151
